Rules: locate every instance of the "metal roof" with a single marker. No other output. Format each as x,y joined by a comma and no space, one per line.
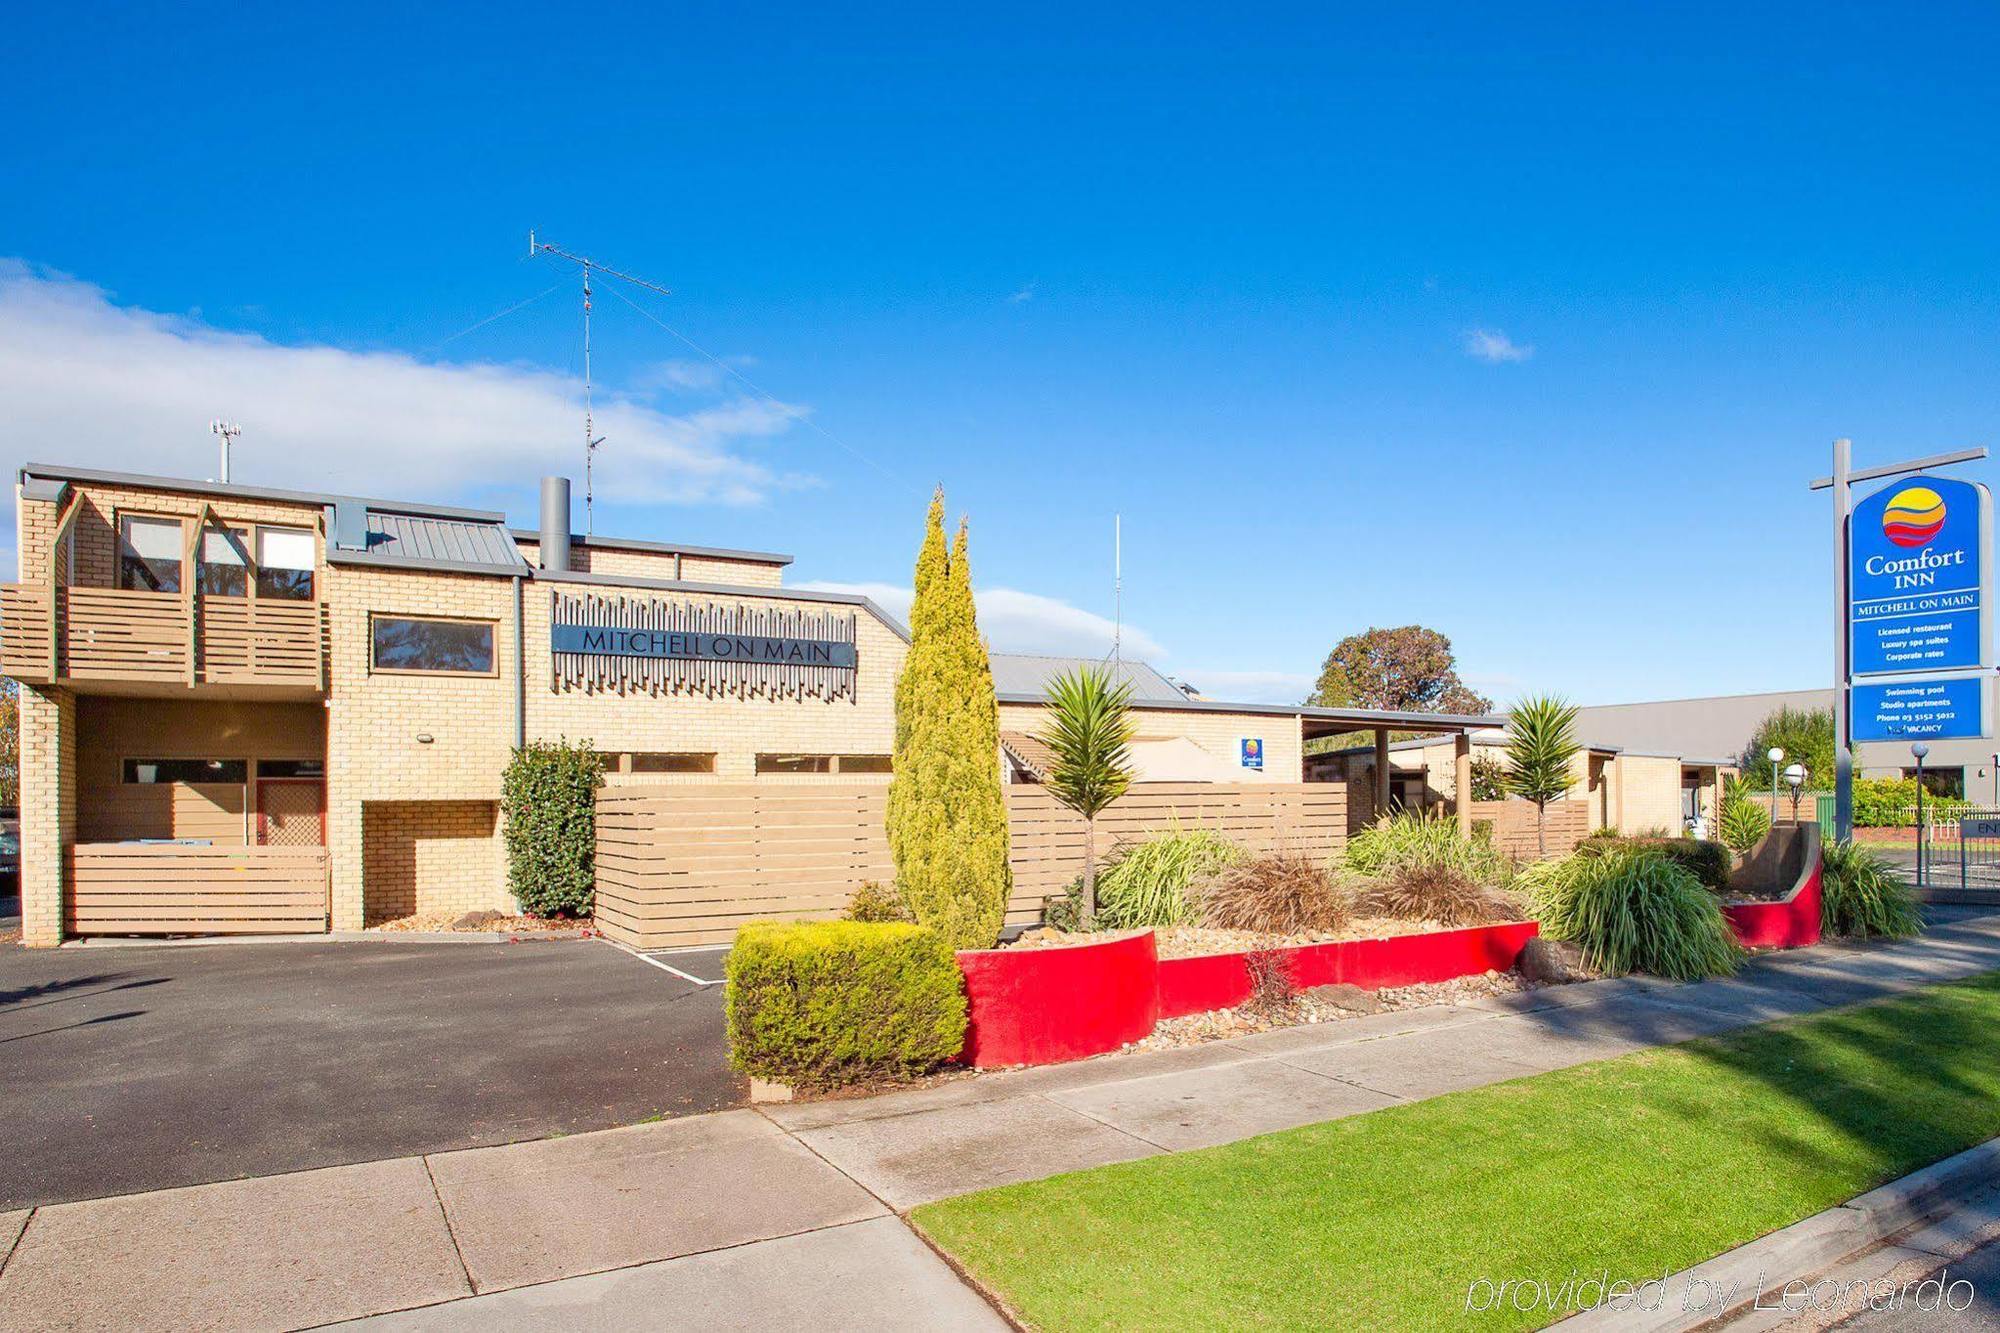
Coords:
142,481
434,542
1031,673
664,548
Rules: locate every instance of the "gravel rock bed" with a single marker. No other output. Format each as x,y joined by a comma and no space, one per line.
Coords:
1325,1004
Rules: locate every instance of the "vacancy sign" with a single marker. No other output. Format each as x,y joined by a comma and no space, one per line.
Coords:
1916,578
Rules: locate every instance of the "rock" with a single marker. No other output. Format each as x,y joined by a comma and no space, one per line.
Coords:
764,1092
479,920
1351,998
1553,962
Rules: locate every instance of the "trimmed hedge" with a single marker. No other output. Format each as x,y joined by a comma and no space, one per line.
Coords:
824,1003
549,799
1710,861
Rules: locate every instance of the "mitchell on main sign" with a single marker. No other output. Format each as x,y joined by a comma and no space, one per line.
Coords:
1915,575
761,650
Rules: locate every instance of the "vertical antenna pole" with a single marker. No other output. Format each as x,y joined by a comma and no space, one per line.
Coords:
589,434
1117,587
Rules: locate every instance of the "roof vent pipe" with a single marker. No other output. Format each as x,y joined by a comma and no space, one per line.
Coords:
555,524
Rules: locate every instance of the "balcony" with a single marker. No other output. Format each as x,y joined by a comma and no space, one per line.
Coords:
142,640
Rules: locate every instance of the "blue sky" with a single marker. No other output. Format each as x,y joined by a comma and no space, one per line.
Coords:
1526,323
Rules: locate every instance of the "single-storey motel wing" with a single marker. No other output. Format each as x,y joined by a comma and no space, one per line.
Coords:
252,709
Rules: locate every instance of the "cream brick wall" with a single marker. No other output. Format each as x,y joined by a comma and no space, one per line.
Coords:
735,730
375,720
431,857
48,809
95,528
585,559
1652,793
1221,734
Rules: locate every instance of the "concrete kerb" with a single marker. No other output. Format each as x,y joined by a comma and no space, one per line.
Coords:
331,937
1732,1282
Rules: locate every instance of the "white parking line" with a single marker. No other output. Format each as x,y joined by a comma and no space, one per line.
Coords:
664,967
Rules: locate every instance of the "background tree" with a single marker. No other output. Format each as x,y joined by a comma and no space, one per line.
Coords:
10,743
1089,731
1806,737
1742,821
1541,745
1489,778
1410,669
947,822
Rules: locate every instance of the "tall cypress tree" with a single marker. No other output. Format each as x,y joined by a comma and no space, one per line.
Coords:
947,822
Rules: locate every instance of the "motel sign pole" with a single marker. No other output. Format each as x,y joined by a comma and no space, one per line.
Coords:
1842,483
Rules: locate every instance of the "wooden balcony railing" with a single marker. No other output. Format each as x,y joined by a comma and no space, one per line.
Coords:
164,638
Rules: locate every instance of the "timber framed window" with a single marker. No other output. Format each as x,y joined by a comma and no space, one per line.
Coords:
431,646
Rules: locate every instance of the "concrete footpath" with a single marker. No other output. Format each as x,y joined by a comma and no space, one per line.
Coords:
749,1218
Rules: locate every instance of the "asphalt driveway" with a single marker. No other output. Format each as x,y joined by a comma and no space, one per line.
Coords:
136,1068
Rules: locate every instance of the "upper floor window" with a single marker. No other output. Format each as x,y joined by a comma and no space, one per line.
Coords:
224,568
409,643
285,560
150,554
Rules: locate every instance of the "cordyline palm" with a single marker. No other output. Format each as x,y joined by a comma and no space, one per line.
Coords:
1541,745
1090,733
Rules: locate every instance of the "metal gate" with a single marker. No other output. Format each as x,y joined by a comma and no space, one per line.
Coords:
1962,852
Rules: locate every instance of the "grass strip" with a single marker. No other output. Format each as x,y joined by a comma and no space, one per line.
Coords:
1628,1168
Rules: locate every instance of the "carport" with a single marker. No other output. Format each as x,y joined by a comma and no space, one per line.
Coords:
1319,723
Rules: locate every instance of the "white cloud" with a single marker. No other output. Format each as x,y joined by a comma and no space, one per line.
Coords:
1495,347
92,383
1020,622
1022,295
684,376
1250,687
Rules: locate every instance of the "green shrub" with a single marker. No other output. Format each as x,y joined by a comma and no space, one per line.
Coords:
825,1003
1064,911
1632,909
548,799
1150,882
1709,861
875,901
1284,893
1892,803
1423,838
1440,893
1861,895
1744,823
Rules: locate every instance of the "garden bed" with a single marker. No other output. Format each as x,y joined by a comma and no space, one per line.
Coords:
1049,1002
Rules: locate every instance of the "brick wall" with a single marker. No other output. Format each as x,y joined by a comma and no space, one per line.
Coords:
431,857
48,809
1221,734
664,565
95,529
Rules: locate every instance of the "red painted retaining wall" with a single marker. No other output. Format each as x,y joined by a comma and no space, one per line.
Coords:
1790,923
1043,1006
1219,981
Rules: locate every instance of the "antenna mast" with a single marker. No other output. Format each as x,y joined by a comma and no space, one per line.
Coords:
226,432
1117,587
591,439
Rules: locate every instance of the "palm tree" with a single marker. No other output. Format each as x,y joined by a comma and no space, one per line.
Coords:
1541,745
1090,733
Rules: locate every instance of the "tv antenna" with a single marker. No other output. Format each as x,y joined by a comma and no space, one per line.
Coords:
1117,589
591,439
226,432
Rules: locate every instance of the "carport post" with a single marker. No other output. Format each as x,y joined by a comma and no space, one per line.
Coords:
1381,771
1461,780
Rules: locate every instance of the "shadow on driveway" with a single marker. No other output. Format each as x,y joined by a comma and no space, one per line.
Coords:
142,1068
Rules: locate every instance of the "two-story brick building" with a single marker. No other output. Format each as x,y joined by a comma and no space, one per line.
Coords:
210,669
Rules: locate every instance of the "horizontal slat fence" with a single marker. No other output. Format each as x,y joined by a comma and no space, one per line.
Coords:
260,642
136,888
1514,826
685,864
119,634
24,630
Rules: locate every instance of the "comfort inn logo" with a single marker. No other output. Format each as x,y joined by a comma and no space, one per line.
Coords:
1914,516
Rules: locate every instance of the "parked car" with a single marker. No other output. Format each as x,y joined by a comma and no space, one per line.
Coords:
10,858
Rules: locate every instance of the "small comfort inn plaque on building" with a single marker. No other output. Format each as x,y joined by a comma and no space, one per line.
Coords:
635,643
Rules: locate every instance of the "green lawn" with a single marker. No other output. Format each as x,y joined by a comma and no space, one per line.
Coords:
1635,1167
